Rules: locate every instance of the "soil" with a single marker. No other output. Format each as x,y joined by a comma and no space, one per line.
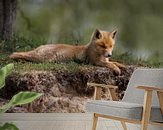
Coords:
64,91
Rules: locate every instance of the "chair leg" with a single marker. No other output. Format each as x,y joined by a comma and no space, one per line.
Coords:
144,127
124,125
146,110
94,122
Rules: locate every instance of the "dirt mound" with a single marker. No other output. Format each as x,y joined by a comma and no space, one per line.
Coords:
64,91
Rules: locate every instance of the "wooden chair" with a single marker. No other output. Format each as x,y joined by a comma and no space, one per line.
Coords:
138,107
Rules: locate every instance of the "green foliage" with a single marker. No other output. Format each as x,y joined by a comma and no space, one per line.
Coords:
24,98
20,99
8,126
5,71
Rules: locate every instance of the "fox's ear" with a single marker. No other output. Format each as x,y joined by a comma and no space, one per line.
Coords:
113,34
97,34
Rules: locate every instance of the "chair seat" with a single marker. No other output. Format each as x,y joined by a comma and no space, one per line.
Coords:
125,110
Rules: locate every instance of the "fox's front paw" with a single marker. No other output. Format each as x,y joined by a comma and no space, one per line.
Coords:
119,65
117,71
122,66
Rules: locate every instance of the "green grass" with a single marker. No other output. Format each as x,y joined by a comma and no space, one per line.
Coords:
25,44
23,66
20,43
72,66
128,58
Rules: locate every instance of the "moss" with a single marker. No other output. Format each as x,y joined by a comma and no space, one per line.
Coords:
72,66
23,66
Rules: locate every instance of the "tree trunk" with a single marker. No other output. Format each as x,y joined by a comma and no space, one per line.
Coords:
7,18
1,18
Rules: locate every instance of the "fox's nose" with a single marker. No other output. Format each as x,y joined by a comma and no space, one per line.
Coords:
109,55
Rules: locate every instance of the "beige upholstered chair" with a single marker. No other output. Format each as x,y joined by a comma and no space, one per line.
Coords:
142,102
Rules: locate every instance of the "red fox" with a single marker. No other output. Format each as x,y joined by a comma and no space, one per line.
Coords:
96,52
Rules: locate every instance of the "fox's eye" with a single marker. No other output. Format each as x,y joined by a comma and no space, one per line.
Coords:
111,46
103,46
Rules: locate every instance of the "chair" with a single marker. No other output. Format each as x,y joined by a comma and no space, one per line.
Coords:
137,106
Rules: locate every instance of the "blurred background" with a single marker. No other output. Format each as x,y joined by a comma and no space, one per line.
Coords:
139,24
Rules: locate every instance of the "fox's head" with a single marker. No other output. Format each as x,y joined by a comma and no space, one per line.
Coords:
103,42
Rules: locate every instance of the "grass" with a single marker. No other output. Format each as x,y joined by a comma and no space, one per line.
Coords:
72,66
128,58
23,66
20,43
24,44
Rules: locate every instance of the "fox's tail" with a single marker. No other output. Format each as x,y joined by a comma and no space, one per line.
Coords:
21,55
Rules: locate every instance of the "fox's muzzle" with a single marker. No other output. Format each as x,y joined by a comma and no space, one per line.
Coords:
108,54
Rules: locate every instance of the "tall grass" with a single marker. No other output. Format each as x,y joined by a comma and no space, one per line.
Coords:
20,43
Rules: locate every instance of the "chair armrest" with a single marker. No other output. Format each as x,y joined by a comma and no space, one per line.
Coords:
98,88
102,85
149,88
148,101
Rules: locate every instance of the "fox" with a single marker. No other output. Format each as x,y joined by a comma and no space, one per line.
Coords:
97,52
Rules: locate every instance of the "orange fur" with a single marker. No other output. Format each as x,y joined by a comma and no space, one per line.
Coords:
96,52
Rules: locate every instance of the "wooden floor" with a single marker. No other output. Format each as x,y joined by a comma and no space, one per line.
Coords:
57,121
